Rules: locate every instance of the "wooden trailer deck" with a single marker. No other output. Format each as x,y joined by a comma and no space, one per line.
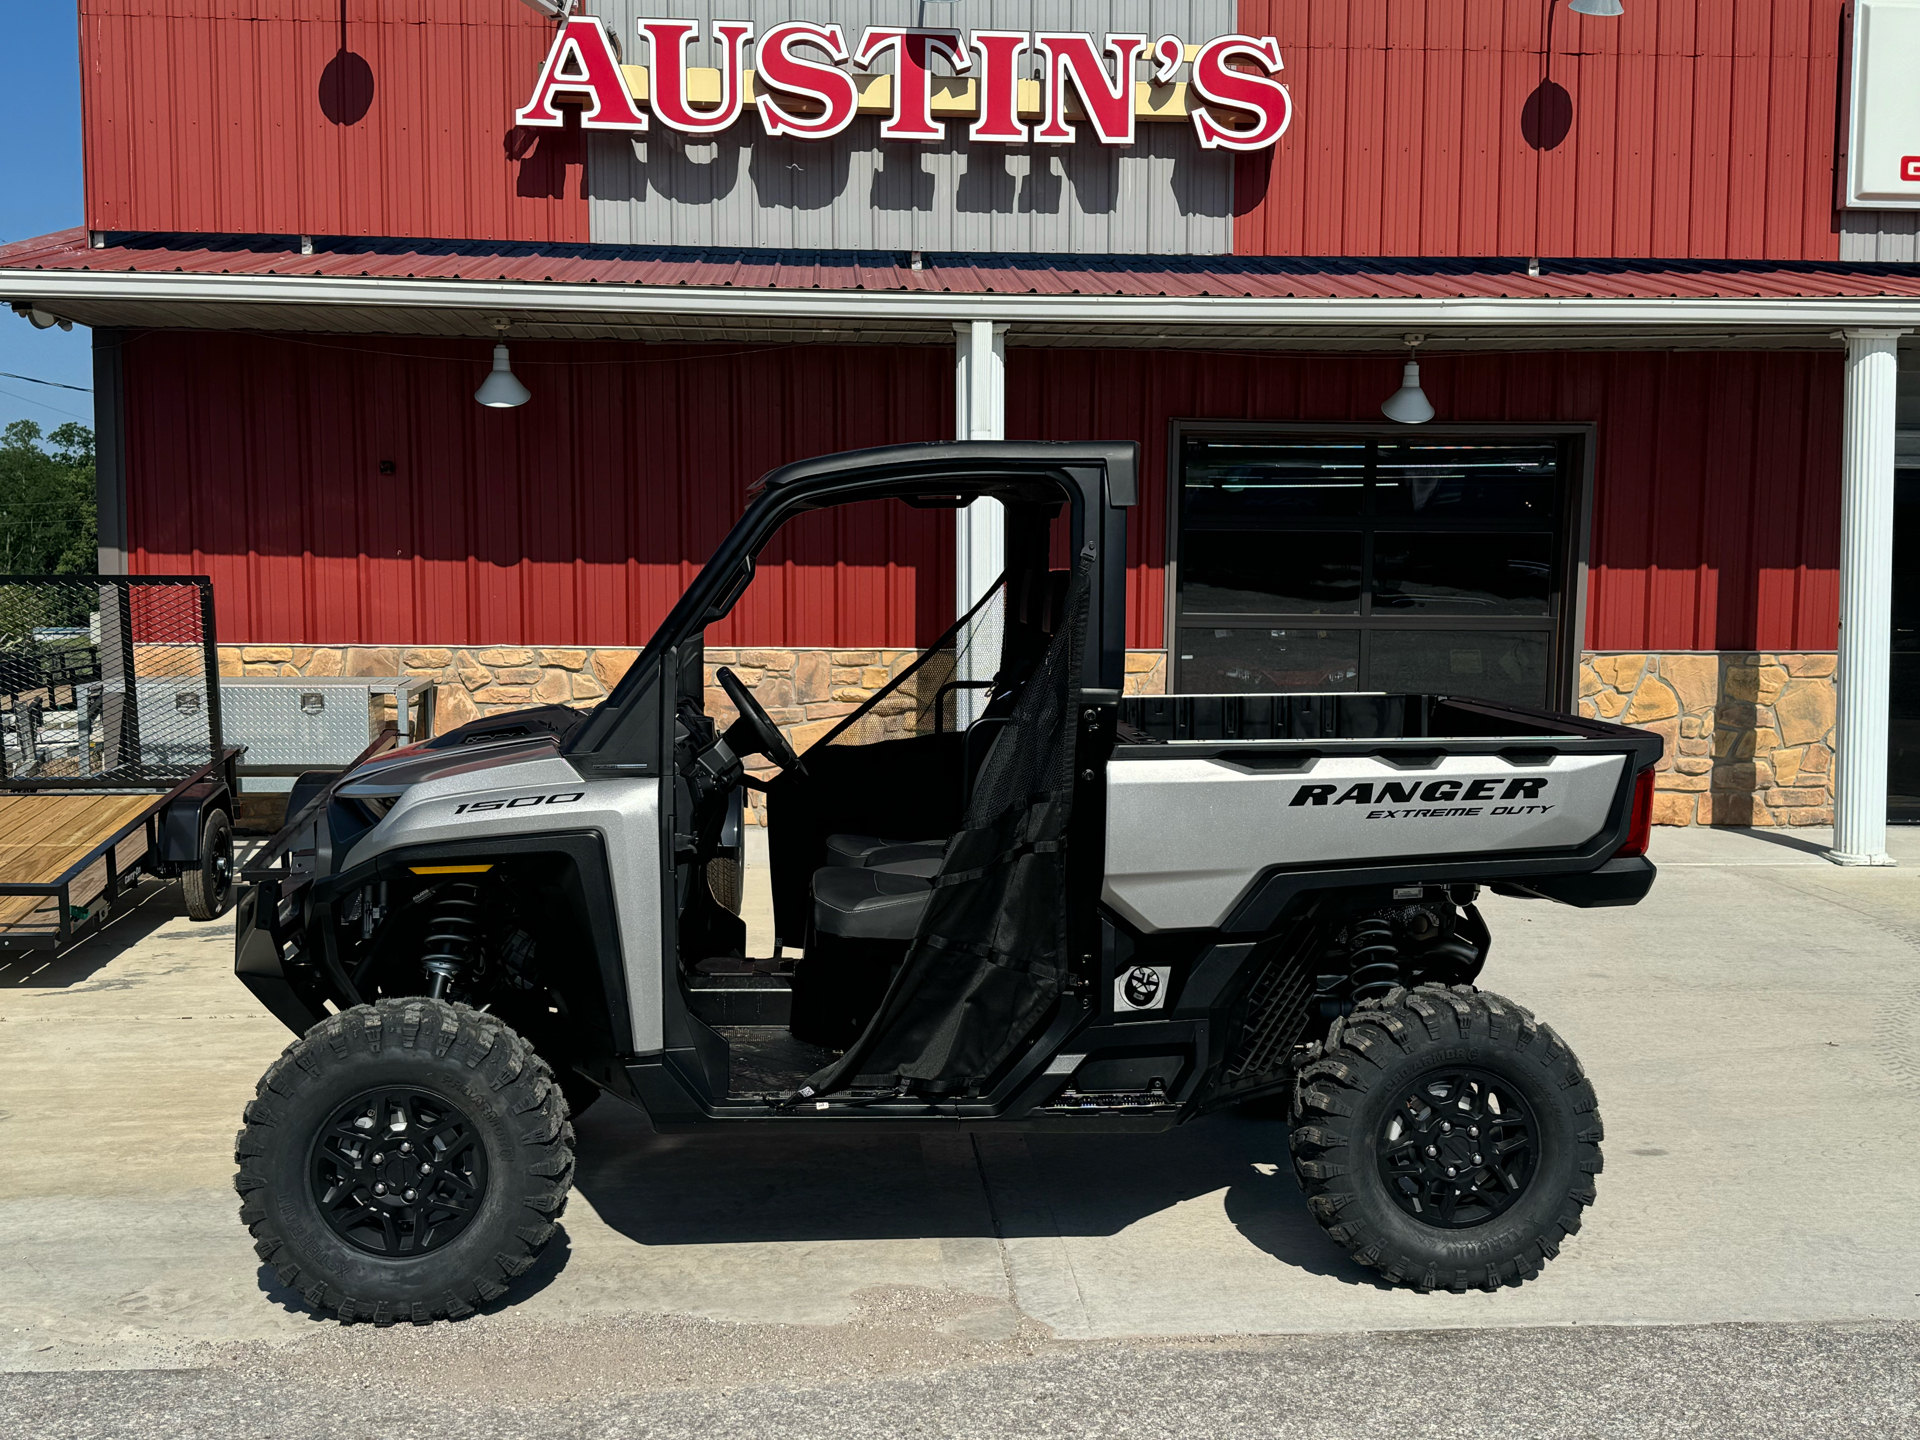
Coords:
43,836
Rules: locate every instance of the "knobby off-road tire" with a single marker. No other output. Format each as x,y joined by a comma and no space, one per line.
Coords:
421,1061
1377,1071
208,884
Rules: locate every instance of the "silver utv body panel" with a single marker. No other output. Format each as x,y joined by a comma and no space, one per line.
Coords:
1188,835
519,789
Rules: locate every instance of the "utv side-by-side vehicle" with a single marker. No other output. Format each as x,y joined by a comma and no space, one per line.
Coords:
1004,895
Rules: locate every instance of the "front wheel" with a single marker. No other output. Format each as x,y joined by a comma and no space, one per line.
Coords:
404,1161
1446,1138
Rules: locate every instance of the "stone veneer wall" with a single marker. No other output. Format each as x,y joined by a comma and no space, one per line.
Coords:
806,691
1749,734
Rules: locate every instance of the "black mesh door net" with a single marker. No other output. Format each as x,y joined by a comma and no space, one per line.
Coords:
990,955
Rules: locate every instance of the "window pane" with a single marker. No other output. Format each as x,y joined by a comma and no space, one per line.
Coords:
1264,571
1468,482
1463,572
1491,664
1241,482
1246,660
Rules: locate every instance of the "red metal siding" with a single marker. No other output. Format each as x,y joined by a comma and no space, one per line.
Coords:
1700,130
1717,476
577,519
210,116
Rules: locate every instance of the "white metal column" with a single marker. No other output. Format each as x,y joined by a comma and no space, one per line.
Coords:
1867,558
980,413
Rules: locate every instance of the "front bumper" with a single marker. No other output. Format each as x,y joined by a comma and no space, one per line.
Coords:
265,958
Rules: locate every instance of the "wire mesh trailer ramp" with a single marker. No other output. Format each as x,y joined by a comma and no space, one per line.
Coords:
109,721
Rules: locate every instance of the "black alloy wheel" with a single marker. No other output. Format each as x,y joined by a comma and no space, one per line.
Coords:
1446,1138
404,1161
1459,1148
398,1171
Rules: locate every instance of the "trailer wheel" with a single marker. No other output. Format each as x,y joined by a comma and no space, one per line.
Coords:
208,883
404,1161
1446,1138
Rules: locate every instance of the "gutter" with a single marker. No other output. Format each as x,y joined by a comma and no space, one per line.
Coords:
1819,313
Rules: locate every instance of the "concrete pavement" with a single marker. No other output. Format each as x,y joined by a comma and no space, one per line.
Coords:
1751,1030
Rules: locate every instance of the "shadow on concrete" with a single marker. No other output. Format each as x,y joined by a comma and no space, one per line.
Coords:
135,917
1788,839
756,1188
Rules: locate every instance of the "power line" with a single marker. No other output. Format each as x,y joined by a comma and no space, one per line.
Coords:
42,405
58,384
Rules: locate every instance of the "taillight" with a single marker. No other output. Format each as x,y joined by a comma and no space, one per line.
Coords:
1641,820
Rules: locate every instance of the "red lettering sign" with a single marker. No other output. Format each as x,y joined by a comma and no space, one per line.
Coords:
1259,96
1108,100
1235,101
827,86
582,62
1911,167
667,85
1000,85
1168,55
913,117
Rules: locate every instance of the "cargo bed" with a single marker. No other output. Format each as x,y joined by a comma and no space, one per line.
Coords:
1223,808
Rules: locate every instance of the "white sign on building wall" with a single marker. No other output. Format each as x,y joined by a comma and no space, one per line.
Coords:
1884,123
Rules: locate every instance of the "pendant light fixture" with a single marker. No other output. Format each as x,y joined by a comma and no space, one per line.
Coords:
1409,405
1595,7
502,390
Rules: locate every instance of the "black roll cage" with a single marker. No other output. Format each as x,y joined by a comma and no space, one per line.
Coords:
1099,481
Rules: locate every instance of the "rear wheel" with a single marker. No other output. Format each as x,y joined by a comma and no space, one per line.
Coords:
1446,1138
404,1161
208,884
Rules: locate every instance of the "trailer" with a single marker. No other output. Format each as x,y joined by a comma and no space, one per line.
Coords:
112,765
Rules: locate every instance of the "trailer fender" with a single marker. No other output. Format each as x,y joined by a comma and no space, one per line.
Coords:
184,818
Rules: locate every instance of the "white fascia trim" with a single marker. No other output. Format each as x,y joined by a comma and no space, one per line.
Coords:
718,303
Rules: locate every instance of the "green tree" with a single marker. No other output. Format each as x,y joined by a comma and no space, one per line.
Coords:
47,500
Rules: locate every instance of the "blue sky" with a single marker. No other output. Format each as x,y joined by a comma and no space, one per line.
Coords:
40,190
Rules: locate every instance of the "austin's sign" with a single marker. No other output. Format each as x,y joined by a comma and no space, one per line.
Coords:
803,80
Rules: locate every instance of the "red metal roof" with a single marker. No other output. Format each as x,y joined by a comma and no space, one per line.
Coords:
1225,276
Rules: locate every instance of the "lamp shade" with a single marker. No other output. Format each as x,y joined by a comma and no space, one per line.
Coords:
1595,7
502,388
1409,405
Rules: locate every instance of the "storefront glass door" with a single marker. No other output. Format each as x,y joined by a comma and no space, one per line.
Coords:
1372,562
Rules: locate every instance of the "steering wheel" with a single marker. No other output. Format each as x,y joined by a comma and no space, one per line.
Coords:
764,734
